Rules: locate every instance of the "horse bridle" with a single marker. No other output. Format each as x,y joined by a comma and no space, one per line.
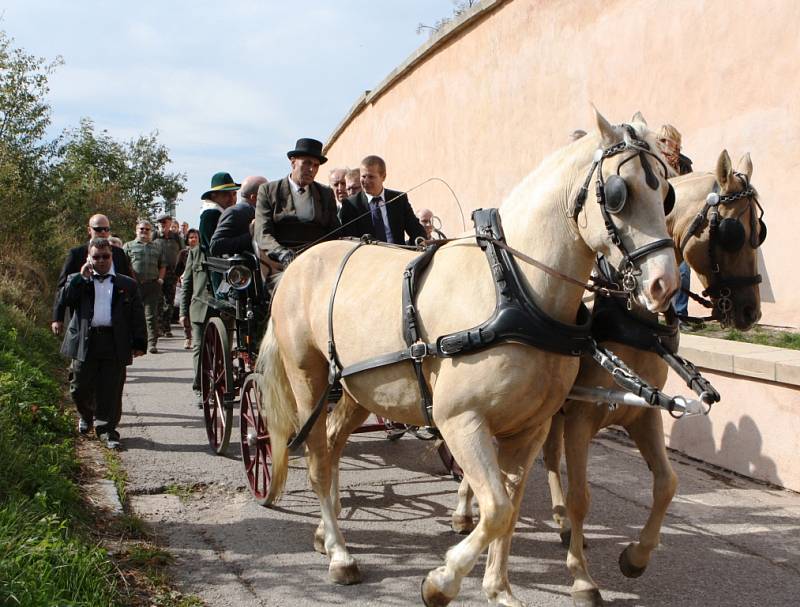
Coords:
729,235
612,195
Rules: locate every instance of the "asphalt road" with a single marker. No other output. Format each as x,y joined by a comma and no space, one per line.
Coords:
726,541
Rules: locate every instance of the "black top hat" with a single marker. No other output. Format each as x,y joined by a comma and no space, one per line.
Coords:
308,147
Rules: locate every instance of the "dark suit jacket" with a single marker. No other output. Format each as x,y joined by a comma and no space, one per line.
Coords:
276,217
195,287
233,230
127,317
73,264
401,217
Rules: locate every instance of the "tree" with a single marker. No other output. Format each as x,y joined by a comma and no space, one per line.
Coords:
24,113
460,7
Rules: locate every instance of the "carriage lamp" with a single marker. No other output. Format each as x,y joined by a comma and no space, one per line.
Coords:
239,277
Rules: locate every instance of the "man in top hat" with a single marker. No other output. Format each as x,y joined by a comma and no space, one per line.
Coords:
221,196
296,210
384,213
171,245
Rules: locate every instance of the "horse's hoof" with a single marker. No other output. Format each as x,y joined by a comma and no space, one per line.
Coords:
627,568
432,596
344,574
462,524
587,598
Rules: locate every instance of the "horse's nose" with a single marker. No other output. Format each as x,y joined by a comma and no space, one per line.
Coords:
750,315
660,291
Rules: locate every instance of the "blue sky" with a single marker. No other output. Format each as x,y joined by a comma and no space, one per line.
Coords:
228,85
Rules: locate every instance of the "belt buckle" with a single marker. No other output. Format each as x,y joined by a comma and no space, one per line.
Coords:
418,351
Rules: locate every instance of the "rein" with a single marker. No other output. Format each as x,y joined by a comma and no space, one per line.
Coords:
605,290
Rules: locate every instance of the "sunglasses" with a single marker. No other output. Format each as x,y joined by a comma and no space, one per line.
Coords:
144,229
101,228
101,257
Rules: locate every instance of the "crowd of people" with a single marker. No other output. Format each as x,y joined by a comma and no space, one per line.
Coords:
122,297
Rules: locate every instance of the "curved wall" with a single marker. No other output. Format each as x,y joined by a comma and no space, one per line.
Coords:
482,104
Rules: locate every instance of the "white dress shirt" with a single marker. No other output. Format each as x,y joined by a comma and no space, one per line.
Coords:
384,214
103,292
303,203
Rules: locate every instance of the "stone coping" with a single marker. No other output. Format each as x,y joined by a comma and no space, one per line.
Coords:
738,358
434,44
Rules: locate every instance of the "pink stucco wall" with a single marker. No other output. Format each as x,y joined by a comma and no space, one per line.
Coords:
509,84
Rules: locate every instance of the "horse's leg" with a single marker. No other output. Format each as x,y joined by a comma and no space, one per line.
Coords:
552,452
346,416
308,384
470,441
578,433
648,433
515,456
462,521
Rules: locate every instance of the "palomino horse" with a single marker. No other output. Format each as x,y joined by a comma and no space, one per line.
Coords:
578,421
508,390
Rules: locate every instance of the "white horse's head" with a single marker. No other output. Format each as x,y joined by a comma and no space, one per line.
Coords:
718,225
621,212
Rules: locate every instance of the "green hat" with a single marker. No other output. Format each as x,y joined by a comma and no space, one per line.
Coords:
221,182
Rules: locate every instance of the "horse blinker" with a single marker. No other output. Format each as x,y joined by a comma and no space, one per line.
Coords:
616,194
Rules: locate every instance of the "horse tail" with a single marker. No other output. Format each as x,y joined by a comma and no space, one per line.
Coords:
277,407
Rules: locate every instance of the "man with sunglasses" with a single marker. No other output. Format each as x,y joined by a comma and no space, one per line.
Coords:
106,332
149,267
99,227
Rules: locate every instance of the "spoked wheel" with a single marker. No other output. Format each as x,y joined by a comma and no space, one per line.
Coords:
217,382
256,450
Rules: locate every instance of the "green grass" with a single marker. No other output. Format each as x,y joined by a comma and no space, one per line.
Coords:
116,473
182,492
764,336
46,555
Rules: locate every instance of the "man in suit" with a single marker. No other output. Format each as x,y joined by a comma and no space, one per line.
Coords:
99,227
193,310
234,233
337,183
221,196
106,332
296,210
386,214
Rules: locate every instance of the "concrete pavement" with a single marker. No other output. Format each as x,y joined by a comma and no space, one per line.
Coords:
726,540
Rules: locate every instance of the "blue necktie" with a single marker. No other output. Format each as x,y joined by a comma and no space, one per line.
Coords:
379,231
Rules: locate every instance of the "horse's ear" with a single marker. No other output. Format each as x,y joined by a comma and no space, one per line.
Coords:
637,117
607,132
746,166
724,170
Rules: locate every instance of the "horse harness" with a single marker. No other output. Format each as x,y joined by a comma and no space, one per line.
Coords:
516,318
612,194
729,235
611,321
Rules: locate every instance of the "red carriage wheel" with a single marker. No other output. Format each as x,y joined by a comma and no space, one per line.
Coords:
256,450
217,384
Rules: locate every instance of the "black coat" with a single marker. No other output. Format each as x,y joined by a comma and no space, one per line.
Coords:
233,230
127,317
401,217
76,257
